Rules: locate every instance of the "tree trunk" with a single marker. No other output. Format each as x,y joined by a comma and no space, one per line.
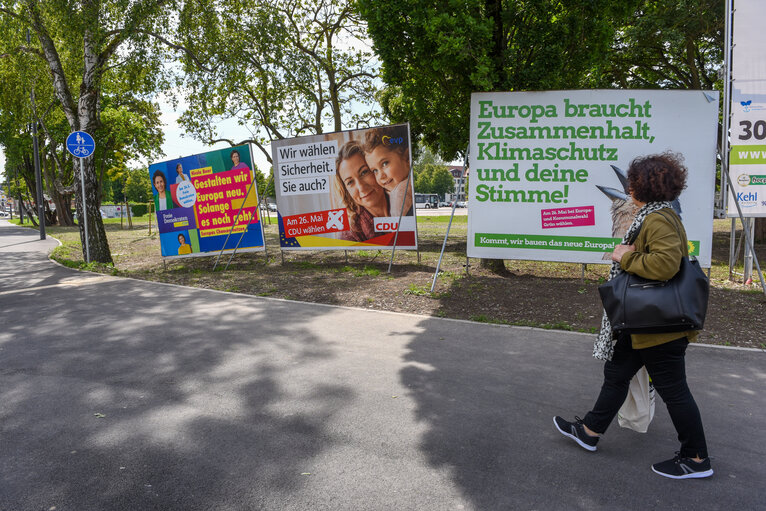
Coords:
494,265
97,241
130,218
61,201
87,111
760,230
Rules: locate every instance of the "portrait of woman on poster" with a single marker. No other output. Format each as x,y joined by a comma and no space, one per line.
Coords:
363,197
162,200
236,161
183,247
388,156
181,177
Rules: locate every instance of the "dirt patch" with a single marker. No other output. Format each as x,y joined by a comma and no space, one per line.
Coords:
547,295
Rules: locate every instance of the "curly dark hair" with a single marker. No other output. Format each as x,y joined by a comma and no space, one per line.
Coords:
162,175
657,177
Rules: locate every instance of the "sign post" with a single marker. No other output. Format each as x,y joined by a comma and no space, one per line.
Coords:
81,145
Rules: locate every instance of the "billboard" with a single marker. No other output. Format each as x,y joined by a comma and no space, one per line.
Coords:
747,156
345,190
547,169
197,199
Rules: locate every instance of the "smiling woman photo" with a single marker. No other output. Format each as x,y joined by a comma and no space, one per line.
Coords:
162,200
362,195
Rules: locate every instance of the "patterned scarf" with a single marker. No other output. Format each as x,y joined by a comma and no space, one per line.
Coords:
603,348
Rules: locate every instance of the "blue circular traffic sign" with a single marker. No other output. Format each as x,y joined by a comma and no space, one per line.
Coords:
80,144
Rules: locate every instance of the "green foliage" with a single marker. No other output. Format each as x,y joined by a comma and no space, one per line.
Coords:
435,54
431,174
415,290
281,69
672,44
140,209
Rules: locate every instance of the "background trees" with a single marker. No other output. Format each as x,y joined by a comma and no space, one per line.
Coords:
281,68
87,47
434,54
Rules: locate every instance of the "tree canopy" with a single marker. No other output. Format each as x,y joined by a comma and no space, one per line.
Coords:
88,48
435,54
281,68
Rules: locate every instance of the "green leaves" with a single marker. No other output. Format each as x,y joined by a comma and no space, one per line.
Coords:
280,68
435,54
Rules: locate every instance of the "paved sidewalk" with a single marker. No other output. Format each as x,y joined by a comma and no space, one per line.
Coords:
118,394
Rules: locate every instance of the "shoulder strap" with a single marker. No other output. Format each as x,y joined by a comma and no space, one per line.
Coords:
673,218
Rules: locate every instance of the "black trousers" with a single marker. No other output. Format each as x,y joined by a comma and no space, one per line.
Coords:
666,367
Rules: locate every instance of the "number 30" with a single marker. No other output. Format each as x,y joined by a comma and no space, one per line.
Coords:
758,130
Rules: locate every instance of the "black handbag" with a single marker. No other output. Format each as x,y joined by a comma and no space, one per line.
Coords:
635,305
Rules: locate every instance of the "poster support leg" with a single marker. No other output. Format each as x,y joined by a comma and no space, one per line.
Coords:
582,275
399,223
283,256
418,254
732,242
449,225
249,188
346,251
745,232
84,212
243,232
748,260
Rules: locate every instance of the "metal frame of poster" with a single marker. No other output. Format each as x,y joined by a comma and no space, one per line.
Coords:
346,190
747,155
206,191
548,169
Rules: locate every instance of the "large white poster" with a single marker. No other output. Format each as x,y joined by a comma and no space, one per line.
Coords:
346,190
747,157
547,169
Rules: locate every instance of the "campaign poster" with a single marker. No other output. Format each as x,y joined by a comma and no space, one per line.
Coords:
346,190
747,156
548,170
200,199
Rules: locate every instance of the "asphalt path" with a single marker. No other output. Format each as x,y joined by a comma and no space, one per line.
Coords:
119,394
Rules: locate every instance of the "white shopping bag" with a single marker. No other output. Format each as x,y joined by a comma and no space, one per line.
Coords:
638,409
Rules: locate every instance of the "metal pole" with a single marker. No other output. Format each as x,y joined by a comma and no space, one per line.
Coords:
745,232
39,181
399,223
732,242
249,189
21,206
726,106
449,225
748,273
36,149
84,212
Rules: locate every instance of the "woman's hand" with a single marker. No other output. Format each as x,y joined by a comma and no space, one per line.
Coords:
400,194
621,250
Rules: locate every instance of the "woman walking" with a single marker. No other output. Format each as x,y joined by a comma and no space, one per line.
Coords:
660,244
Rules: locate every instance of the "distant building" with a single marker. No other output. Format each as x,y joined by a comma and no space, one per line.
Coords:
459,190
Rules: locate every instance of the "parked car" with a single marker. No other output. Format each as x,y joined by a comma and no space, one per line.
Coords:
461,204
272,207
444,204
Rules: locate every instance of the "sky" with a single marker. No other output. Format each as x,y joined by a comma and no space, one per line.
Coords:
176,144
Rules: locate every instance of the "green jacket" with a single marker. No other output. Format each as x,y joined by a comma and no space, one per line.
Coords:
658,254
